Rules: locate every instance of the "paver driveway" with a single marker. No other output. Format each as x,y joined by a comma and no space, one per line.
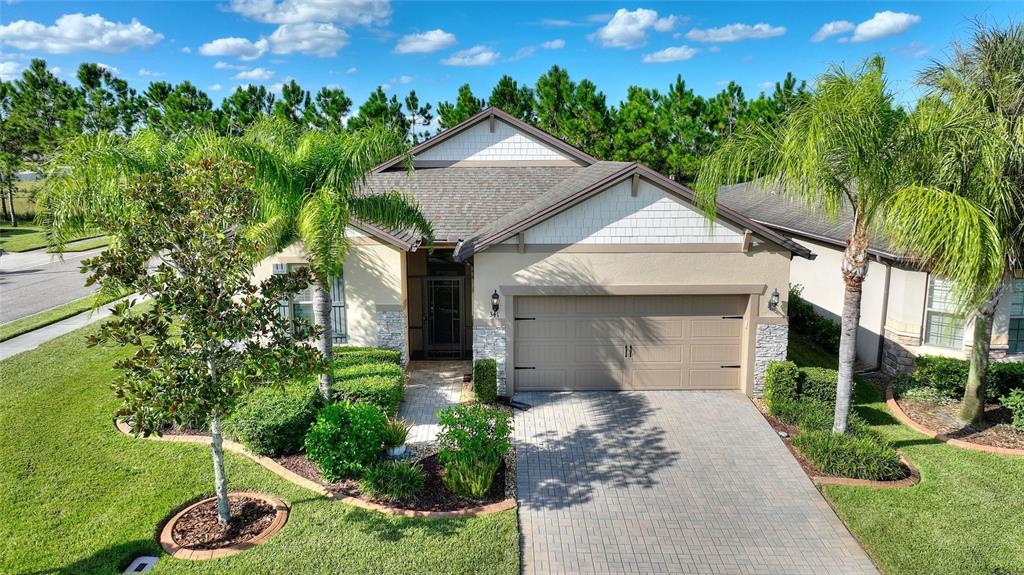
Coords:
668,482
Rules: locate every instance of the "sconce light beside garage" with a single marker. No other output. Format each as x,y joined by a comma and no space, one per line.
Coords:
495,301
773,301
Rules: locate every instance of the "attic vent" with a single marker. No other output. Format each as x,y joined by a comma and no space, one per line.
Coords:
141,564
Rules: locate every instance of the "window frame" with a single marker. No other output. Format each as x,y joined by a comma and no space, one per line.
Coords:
955,323
1015,330
339,311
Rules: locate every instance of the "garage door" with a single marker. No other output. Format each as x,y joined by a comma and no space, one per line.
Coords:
628,342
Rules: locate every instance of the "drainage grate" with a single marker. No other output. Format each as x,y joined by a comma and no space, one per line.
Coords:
141,564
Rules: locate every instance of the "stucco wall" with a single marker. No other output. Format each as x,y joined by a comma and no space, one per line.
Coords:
374,285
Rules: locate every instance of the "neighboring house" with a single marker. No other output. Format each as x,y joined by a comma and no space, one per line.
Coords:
572,273
905,312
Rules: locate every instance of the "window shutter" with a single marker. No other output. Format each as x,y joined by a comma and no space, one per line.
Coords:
282,305
338,324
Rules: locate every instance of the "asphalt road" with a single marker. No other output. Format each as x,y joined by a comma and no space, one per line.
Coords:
34,281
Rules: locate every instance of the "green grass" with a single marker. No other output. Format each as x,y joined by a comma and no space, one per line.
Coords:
966,516
35,321
78,497
86,244
28,236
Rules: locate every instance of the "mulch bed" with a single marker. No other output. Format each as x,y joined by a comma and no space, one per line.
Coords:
199,528
995,431
435,495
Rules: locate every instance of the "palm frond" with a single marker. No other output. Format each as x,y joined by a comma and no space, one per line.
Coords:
392,211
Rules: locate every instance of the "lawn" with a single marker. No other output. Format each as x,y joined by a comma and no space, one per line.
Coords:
35,321
28,236
966,515
78,497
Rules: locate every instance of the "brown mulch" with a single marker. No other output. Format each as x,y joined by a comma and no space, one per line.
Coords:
199,528
435,495
995,431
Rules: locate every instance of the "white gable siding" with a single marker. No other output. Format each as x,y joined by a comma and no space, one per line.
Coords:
478,143
616,217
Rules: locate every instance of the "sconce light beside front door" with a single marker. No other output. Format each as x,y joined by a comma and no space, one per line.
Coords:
773,301
495,300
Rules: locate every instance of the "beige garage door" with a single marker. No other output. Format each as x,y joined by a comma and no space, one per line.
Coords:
628,342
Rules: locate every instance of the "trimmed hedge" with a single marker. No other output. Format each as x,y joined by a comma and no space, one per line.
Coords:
784,381
485,380
379,384
346,355
819,383
855,456
272,421
807,322
948,375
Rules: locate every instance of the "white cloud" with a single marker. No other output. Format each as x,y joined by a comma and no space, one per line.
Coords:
241,48
9,69
317,39
915,50
430,41
352,70
553,44
222,65
214,88
831,29
112,69
149,73
629,29
56,70
671,54
403,80
186,50
735,33
344,12
523,53
78,33
883,25
714,49
255,74
475,56
766,85
557,23
721,83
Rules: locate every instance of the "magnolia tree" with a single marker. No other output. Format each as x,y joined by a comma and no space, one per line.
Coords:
210,334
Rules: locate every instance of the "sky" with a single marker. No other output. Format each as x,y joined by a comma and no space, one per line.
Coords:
434,47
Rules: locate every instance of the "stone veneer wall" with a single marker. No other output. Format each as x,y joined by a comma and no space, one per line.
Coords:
489,343
391,331
771,343
896,358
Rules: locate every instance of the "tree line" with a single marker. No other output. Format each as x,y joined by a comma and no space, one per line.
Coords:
668,130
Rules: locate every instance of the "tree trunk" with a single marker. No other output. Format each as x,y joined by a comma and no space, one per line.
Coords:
220,479
854,271
972,408
14,216
322,306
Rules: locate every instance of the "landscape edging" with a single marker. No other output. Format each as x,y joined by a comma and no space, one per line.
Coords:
898,413
289,475
179,552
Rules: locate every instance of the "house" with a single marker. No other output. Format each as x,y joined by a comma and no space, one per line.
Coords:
572,273
905,312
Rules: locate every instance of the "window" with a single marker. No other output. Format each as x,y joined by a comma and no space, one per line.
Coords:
943,327
300,305
1017,316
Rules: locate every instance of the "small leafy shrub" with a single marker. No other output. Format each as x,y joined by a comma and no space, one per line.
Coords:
908,388
346,355
818,383
804,320
272,421
345,438
1015,403
847,455
392,481
383,392
781,382
811,415
485,380
948,375
473,440
396,431
1004,377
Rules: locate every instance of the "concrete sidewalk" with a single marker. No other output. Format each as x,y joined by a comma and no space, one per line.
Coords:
35,338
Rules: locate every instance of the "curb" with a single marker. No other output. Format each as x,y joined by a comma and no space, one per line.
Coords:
178,552
289,475
899,414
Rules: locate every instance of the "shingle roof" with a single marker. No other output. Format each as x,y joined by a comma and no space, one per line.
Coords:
461,200
789,215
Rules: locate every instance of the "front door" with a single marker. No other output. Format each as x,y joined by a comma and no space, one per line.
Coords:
443,317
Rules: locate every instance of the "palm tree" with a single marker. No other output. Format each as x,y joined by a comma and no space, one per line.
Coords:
846,145
310,184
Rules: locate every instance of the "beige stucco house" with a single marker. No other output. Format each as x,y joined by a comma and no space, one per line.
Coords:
905,312
573,273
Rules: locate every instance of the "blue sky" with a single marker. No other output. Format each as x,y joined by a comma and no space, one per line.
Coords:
433,47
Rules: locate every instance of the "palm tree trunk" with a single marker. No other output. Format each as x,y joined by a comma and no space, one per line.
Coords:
322,306
220,479
854,271
972,407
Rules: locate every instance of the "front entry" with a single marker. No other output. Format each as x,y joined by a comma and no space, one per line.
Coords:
443,321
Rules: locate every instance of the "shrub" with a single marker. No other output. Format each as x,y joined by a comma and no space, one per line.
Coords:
845,455
396,432
485,380
346,355
272,421
380,384
948,375
818,383
473,439
345,438
781,382
812,415
804,320
1004,377
392,481
906,387
1015,403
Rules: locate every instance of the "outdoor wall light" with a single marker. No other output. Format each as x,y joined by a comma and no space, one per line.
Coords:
773,302
495,300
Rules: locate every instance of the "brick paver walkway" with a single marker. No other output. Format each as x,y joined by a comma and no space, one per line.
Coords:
432,386
668,482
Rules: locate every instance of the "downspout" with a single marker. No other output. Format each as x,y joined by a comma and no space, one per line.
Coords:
885,314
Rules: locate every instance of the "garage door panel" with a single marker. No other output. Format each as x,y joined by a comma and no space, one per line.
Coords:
658,329
717,305
597,353
542,329
541,379
659,379
600,305
601,328
598,378
705,328
669,353
664,305
549,305
714,379
547,353
714,353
